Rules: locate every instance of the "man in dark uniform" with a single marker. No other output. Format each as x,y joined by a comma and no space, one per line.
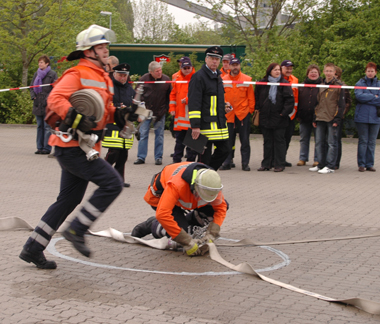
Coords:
207,109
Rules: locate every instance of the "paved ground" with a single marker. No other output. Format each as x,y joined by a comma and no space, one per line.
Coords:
264,206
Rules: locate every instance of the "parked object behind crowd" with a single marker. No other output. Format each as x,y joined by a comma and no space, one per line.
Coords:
307,101
44,75
274,103
367,119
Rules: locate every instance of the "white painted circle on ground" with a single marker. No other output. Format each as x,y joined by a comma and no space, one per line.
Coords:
286,261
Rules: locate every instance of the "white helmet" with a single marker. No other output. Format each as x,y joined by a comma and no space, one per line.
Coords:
208,184
93,35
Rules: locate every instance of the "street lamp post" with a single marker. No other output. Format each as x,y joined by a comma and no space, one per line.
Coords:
107,13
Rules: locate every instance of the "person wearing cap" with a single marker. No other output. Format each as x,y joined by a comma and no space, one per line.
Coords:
286,71
226,65
179,110
156,98
207,109
175,75
77,171
118,147
181,187
241,98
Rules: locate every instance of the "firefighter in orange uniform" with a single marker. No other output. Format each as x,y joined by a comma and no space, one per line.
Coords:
77,171
241,97
286,71
179,110
226,65
179,187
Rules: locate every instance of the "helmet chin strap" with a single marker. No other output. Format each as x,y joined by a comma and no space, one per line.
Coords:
96,58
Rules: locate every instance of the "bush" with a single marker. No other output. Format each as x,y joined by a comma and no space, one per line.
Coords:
16,108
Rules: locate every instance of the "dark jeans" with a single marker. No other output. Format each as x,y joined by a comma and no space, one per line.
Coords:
289,130
243,129
76,173
43,134
274,147
215,160
326,157
367,143
179,148
117,157
305,134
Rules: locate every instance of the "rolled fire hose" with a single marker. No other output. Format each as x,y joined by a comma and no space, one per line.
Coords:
88,102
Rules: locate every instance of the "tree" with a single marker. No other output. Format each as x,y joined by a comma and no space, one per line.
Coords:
249,20
152,21
125,9
32,28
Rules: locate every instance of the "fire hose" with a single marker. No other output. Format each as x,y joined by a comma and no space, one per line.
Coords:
87,102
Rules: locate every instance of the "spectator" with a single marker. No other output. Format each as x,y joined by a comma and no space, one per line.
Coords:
367,118
327,116
242,99
117,146
307,101
44,75
286,71
274,103
111,63
207,109
180,112
156,97
347,97
226,65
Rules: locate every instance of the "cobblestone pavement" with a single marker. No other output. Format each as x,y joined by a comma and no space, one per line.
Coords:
142,285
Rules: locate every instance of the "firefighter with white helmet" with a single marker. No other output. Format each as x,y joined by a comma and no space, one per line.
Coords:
77,170
182,187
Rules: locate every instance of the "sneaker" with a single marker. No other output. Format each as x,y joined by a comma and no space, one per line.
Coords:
314,169
38,259
301,163
77,241
326,170
139,161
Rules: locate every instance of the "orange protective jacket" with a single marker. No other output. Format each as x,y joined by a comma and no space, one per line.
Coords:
293,79
224,73
86,75
240,96
175,75
178,192
179,92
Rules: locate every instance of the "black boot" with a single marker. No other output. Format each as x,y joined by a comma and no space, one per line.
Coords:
77,241
38,259
143,228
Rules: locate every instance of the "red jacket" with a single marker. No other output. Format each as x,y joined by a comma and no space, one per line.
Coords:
293,79
85,75
240,96
177,192
179,92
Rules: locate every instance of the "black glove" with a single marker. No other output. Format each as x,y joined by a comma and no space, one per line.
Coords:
76,120
119,116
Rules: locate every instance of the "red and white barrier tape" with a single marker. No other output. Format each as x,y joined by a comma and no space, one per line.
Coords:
293,85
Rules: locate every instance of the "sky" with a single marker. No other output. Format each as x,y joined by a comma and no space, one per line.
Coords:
183,17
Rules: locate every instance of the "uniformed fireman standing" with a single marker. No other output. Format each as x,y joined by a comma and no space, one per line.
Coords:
117,146
207,109
77,171
179,187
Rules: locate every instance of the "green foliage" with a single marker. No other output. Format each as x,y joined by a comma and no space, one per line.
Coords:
16,108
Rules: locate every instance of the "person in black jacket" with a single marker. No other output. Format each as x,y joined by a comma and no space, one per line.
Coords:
123,94
207,109
307,101
274,103
44,75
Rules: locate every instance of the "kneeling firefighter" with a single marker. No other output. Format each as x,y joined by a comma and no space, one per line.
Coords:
180,187
77,169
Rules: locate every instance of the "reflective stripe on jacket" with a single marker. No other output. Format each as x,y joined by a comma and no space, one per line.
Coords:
175,181
86,75
179,92
112,139
240,96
